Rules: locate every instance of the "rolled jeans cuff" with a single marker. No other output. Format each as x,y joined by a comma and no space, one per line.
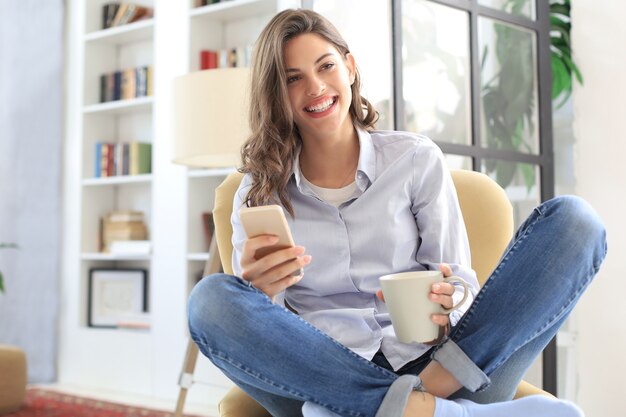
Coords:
455,361
397,396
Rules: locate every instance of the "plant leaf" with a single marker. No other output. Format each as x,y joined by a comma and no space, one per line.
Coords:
557,8
560,75
529,176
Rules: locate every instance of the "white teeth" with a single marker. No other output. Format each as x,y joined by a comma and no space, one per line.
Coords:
323,106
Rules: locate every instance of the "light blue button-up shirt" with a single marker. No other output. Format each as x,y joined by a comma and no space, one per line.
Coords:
403,216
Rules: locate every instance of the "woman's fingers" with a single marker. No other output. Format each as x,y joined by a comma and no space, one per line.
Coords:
258,267
441,293
440,319
273,272
250,246
445,269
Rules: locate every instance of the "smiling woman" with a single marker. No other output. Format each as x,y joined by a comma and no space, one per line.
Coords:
366,203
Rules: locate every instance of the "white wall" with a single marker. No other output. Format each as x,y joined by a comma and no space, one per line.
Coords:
598,35
31,88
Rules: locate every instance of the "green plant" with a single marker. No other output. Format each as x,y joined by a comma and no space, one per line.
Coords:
509,95
563,65
5,246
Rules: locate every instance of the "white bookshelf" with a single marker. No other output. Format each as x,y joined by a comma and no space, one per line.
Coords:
172,198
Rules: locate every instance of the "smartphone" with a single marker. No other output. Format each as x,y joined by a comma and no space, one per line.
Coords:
267,220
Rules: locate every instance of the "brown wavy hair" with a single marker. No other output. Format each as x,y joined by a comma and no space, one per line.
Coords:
270,150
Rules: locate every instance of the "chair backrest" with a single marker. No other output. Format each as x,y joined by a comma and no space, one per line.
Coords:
487,213
488,217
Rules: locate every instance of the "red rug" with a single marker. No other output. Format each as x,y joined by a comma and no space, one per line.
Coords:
43,403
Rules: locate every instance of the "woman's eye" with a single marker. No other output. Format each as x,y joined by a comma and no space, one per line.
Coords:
292,79
328,65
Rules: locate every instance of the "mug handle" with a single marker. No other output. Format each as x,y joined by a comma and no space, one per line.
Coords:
465,293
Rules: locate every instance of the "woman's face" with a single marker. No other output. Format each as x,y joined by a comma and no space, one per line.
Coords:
318,84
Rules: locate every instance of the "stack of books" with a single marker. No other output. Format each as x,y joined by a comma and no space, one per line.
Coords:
123,227
131,158
126,84
226,58
117,14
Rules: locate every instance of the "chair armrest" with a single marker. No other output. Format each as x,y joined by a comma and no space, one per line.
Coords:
237,403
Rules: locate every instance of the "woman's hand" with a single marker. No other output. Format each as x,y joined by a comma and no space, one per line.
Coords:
272,273
440,293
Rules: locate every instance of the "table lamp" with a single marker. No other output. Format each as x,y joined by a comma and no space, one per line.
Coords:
210,117
210,125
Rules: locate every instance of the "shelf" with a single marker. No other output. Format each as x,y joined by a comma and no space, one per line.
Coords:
117,180
98,256
199,256
132,32
140,104
204,173
232,10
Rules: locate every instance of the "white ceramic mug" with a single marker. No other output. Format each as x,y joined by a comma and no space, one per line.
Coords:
406,296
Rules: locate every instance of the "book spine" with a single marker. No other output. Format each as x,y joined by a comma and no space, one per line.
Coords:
141,82
110,160
108,14
204,59
133,158
98,160
103,88
104,160
149,80
125,152
117,85
119,14
144,160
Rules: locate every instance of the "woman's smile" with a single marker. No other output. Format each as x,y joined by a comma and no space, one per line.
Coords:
322,106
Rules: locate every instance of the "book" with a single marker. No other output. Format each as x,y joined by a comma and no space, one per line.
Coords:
122,226
140,158
208,59
109,10
125,216
128,86
119,14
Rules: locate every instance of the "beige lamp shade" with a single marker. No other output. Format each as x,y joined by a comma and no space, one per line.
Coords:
210,117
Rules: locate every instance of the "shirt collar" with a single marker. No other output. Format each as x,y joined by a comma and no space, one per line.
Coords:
367,160
366,169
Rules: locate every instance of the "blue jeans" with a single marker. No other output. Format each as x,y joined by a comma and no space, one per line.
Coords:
282,361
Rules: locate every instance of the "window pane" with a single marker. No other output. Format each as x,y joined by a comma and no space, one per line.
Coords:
509,110
516,7
521,183
458,161
371,48
436,74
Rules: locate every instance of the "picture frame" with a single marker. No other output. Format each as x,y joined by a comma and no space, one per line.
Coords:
114,294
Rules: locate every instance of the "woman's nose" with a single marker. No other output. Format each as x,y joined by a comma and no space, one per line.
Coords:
315,87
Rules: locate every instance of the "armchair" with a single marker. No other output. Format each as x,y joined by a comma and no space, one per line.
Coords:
488,218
